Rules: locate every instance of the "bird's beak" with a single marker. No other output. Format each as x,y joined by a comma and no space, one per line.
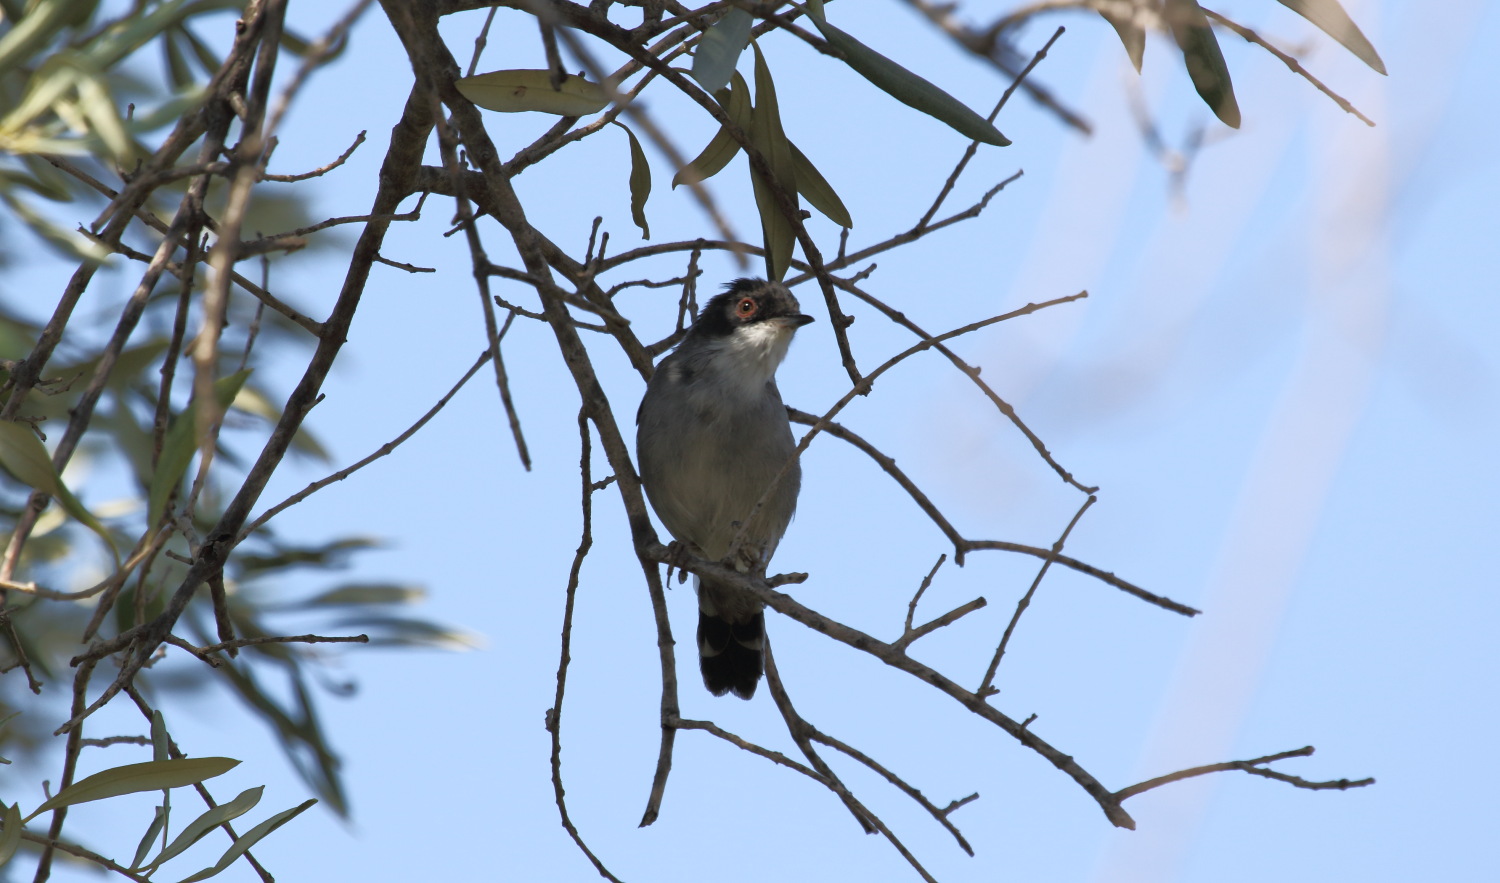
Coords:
797,321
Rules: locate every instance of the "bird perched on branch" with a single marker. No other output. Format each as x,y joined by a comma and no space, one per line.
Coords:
712,436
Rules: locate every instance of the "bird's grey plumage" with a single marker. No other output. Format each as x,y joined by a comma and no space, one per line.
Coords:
712,434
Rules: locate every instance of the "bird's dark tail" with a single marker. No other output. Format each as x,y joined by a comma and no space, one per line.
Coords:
729,654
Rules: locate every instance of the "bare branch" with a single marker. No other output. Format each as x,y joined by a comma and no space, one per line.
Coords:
1291,63
382,451
986,687
1254,767
554,714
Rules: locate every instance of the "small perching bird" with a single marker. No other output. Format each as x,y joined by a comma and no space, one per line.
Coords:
712,435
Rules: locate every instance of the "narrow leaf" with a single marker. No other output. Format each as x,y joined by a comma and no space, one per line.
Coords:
10,838
149,837
515,91
640,182
1332,20
908,88
179,445
104,117
365,593
249,839
69,243
153,775
33,30
1132,36
23,455
777,230
160,741
719,50
177,67
819,193
207,58
210,820
1204,60
722,147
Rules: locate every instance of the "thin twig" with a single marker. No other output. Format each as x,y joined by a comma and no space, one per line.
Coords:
1254,767
911,608
863,386
1291,63
986,687
382,451
890,655
554,714
481,263
973,147
206,653
320,170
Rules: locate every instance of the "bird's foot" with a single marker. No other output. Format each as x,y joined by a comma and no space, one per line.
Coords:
677,556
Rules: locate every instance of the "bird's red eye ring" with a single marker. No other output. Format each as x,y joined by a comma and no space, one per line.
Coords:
745,308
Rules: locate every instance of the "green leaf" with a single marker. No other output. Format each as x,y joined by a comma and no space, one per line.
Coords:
398,631
1132,36
149,837
10,838
819,193
153,775
1204,60
136,31
1332,20
47,180
210,820
178,447
515,91
908,88
41,23
365,593
71,244
207,58
160,741
722,147
249,839
640,182
22,455
177,67
777,230
105,120
719,49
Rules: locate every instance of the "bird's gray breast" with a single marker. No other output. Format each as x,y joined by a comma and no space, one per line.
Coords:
708,451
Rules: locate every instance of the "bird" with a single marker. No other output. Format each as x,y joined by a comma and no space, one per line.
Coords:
711,437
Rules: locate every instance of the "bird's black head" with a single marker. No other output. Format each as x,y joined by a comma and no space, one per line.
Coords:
748,302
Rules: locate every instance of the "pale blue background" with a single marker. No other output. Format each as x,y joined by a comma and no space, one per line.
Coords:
1283,381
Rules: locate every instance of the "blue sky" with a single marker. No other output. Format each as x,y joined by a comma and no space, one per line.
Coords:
1282,380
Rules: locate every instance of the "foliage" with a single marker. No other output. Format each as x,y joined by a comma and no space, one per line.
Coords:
166,394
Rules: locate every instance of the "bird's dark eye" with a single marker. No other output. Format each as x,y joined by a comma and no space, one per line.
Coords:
745,308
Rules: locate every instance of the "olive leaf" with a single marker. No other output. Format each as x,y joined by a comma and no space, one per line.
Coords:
23,456
1132,36
905,86
249,839
153,775
722,147
777,230
516,91
1205,62
640,182
1332,20
819,193
719,50
180,443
